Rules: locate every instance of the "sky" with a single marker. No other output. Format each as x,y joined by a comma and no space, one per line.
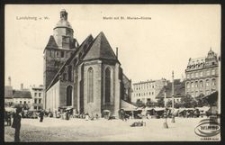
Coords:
148,48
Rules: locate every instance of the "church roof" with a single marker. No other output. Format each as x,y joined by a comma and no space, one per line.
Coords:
100,49
52,43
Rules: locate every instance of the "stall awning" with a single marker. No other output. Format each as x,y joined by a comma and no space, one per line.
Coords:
211,98
127,106
159,109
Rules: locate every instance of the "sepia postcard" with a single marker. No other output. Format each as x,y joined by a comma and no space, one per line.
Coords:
84,73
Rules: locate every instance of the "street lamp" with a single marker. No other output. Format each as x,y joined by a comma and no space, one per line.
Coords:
165,125
173,117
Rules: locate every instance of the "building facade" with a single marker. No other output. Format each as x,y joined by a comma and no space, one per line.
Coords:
86,77
147,90
37,96
22,97
202,75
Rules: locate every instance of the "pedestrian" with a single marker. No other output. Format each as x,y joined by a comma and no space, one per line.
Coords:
17,124
87,116
41,115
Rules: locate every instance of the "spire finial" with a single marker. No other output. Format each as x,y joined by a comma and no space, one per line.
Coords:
63,14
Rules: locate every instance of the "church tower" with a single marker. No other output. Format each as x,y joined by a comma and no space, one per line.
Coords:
59,48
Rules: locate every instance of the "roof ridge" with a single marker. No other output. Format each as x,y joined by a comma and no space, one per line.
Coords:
100,49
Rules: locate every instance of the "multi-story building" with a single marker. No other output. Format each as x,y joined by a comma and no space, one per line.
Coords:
147,90
37,96
202,75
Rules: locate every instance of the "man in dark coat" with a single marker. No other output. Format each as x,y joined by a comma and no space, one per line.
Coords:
41,115
17,124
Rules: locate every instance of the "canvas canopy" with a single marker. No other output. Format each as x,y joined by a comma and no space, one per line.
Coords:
159,109
205,108
10,109
127,106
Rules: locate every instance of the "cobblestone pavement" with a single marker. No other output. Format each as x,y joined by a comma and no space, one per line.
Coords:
54,130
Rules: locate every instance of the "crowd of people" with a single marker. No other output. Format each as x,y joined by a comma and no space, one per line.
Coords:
13,119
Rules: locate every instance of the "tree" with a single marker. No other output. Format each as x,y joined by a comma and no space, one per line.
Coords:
202,101
186,101
177,105
193,103
139,103
160,102
169,103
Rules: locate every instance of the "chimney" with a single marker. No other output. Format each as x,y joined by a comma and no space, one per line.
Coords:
21,86
117,52
9,80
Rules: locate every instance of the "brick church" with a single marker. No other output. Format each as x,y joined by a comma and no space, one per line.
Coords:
87,77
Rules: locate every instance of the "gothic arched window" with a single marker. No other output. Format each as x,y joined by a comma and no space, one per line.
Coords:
69,96
90,85
107,85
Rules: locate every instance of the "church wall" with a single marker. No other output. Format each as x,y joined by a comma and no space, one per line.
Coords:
75,89
63,92
117,90
93,108
114,104
53,97
108,106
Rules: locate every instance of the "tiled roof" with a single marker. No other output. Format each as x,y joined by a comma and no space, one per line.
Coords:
100,49
52,43
21,94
